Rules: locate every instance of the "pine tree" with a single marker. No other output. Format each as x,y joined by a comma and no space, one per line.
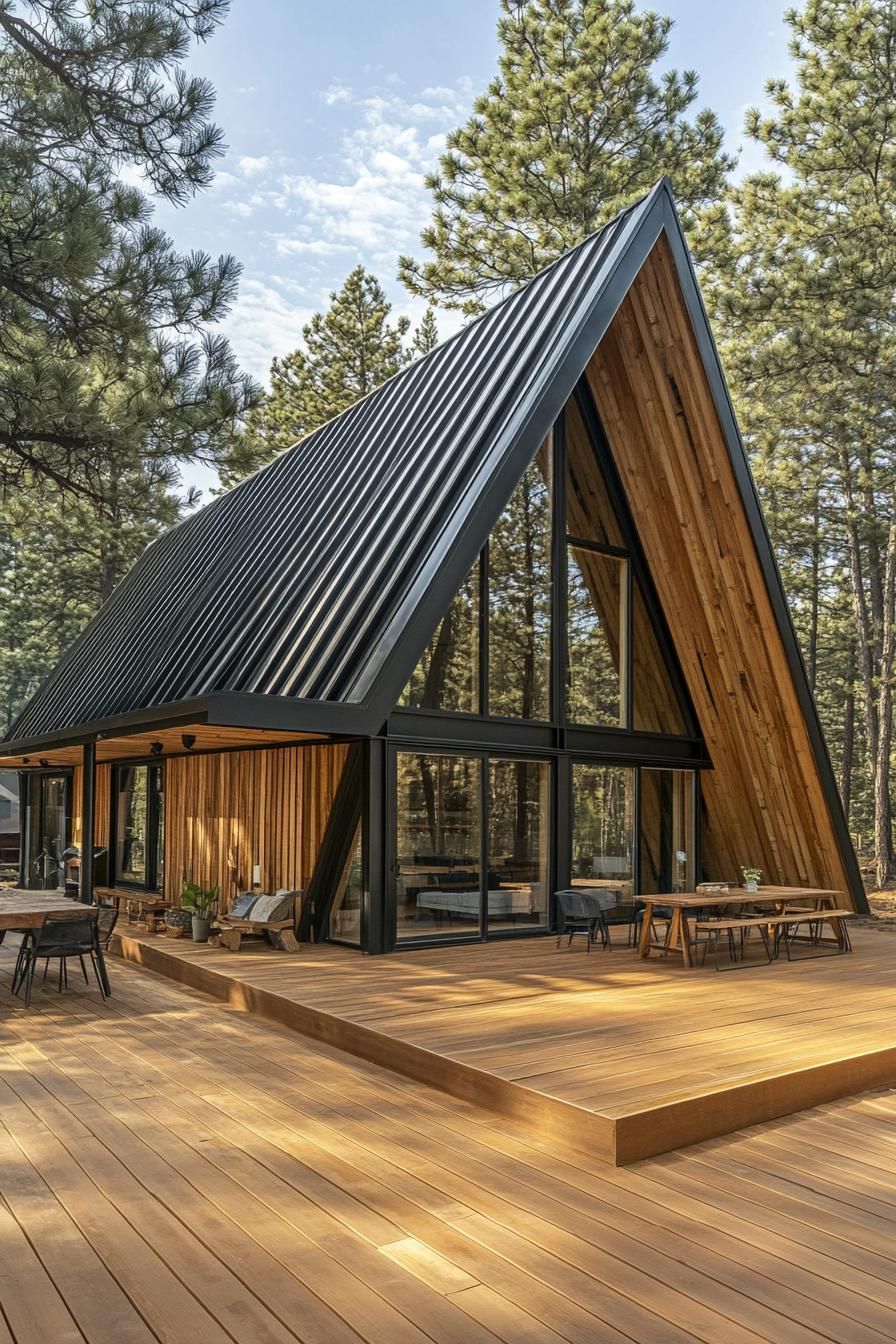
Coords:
97,308
347,351
60,557
810,315
576,125
426,336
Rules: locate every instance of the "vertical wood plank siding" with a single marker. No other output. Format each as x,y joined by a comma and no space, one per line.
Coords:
764,799
225,812
101,807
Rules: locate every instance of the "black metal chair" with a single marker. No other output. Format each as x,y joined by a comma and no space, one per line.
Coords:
59,940
106,919
583,913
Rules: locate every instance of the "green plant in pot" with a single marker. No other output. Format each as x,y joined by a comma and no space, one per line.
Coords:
201,901
752,878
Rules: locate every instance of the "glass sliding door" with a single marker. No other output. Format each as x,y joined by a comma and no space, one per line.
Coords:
667,840
519,826
437,845
603,827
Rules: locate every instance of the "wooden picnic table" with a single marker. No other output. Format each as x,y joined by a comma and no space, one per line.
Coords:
681,903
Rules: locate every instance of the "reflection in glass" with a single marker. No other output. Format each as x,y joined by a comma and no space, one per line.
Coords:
131,827
345,915
518,843
656,708
519,557
46,830
589,513
447,675
157,822
437,845
597,587
667,831
603,827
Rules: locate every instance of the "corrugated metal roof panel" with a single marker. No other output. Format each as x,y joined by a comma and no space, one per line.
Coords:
291,582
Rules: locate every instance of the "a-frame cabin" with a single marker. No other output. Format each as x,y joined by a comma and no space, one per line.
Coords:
509,623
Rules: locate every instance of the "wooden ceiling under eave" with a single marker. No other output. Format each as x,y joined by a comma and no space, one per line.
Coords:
765,803
206,738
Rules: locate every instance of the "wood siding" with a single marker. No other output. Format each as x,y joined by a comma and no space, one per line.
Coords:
101,807
764,800
225,812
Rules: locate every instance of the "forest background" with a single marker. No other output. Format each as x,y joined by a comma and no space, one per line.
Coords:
117,386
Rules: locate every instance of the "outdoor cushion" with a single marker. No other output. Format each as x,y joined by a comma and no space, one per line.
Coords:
273,909
243,904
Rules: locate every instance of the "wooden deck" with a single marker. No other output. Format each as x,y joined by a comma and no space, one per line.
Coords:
626,1057
174,1170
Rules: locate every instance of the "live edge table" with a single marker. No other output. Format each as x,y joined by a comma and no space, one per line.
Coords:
682,903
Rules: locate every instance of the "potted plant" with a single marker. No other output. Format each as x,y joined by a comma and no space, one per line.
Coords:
752,878
200,901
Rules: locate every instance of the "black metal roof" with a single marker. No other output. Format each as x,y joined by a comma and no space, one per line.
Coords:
299,581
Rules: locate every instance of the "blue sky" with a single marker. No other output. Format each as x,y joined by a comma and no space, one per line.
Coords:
334,112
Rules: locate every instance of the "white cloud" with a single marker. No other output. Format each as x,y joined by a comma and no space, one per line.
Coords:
315,247
374,199
264,323
336,93
251,167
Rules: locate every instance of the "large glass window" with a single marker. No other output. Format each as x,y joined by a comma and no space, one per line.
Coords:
519,821
139,825
437,845
589,512
519,626
667,831
603,827
447,676
345,914
596,624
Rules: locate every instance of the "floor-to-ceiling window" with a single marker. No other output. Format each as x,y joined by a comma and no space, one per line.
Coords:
46,830
519,600
603,827
437,844
139,822
557,655
348,903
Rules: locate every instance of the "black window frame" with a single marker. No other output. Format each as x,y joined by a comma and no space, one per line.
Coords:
151,882
520,733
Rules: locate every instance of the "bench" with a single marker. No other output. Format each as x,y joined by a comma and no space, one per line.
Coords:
231,929
781,924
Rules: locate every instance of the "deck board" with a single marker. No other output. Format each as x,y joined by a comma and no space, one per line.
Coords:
640,1057
173,1168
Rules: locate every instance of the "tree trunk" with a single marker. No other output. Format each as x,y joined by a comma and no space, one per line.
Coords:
883,807
849,732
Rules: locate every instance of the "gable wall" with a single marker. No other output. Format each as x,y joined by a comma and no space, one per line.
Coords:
764,799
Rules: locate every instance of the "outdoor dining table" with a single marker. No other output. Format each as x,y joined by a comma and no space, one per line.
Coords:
25,910
682,903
